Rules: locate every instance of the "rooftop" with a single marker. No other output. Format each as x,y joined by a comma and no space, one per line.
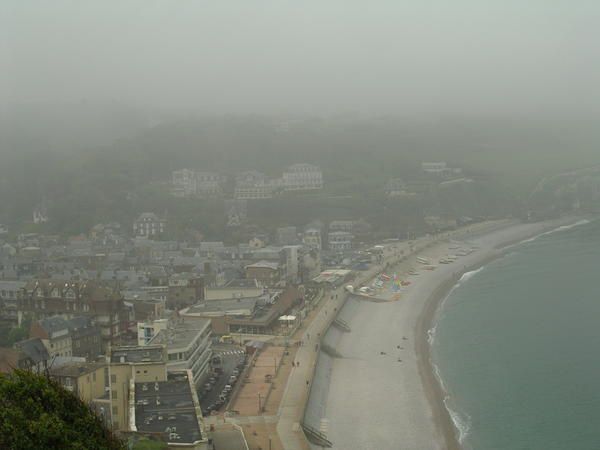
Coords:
167,407
182,334
224,306
137,354
75,369
263,265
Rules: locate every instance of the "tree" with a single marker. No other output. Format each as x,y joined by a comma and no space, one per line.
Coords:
37,412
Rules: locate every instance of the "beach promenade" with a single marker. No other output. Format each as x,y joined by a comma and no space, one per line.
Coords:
297,391
383,393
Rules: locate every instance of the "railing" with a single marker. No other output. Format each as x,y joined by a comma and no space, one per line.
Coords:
342,324
315,436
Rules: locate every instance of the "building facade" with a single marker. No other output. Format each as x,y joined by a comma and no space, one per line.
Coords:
102,302
149,225
302,177
188,345
340,241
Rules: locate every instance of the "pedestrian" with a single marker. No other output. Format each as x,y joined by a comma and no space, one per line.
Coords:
307,382
297,363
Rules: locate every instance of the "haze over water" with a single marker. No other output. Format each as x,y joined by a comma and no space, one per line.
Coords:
517,346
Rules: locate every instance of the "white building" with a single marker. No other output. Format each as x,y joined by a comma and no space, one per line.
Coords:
253,185
184,183
150,328
188,342
439,168
148,225
190,183
340,240
208,184
300,177
312,238
40,215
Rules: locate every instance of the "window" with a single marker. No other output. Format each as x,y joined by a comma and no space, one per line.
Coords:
114,394
115,410
113,378
94,376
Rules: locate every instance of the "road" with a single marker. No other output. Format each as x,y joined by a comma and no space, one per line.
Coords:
232,355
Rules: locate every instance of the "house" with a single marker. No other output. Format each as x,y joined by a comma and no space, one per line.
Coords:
10,292
439,169
209,184
184,183
395,187
253,185
55,335
341,225
86,338
184,289
86,380
128,365
190,183
266,273
103,302
340,241
40,214
32,355
301,177
312,238
149,225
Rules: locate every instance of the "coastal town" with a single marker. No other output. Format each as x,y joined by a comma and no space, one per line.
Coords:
299,225
235,343
196,343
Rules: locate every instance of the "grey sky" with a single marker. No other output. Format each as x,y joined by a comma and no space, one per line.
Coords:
308,56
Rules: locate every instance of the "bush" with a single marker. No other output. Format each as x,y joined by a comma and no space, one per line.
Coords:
38,413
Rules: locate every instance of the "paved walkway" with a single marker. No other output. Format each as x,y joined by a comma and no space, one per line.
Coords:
297,391
295,397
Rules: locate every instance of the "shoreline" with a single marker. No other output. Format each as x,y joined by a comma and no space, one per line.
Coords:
433,387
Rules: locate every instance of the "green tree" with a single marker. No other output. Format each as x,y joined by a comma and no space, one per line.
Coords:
38,413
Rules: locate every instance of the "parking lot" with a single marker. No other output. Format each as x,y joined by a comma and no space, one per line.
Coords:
232,358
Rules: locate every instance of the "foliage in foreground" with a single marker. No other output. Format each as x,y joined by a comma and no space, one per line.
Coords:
38,413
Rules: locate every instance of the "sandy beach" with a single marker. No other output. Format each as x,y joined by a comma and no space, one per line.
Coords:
380,391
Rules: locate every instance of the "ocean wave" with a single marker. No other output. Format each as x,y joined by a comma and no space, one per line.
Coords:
468,275
462,422
554,230
431,335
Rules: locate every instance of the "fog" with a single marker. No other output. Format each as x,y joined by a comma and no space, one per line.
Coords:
310,57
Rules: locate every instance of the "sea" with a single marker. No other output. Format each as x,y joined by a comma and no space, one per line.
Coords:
516,346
